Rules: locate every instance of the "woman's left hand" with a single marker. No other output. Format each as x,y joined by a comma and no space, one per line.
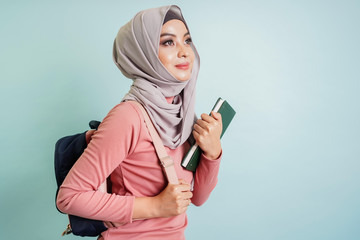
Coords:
207,131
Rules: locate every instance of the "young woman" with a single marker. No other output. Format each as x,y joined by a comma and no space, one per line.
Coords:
155,50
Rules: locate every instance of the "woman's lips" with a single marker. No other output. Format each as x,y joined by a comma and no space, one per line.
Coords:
183,66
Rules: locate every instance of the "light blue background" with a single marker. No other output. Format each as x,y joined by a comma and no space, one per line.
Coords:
290,168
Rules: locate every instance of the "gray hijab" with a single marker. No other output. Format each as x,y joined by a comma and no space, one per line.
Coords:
135,53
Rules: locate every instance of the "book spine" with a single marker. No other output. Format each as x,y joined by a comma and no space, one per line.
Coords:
192,165
189,155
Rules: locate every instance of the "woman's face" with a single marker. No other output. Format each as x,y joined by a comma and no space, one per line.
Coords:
175,51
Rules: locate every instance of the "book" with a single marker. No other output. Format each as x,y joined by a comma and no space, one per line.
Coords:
191,159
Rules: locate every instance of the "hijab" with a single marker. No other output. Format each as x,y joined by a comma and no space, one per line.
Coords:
135,53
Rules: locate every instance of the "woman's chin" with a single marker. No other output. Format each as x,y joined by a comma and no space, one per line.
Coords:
183,77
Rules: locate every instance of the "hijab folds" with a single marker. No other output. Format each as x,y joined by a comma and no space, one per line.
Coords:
135,53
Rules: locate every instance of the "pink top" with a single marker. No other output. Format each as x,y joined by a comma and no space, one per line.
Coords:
122,148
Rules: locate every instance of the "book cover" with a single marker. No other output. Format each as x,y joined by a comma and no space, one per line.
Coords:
191,159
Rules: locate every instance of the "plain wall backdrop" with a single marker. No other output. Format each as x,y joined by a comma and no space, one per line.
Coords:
290,168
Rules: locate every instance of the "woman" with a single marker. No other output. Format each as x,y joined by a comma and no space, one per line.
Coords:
155,50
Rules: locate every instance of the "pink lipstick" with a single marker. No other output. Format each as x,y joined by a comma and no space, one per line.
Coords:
183,66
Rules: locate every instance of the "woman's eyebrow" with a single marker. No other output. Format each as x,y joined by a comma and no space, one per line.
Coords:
167,34
172,35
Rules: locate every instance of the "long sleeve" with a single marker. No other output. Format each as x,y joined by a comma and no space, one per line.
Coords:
206,177
122,149
115,139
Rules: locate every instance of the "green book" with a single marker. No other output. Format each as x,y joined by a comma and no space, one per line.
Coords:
191,159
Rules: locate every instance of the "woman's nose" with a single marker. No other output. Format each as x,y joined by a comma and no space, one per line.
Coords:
183,52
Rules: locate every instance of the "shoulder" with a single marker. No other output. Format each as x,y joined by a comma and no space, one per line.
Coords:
124,111
124,116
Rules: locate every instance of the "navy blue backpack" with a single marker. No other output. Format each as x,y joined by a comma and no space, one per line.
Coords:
67,151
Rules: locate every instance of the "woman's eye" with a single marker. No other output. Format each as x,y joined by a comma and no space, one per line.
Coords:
188,41
167,43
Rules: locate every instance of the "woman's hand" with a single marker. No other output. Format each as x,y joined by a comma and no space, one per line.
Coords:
207,131
174,199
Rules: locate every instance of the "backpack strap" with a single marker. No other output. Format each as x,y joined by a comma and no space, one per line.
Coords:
165,160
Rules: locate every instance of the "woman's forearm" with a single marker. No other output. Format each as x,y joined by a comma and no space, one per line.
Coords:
145,208
172,201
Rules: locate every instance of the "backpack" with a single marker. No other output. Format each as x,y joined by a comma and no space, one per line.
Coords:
67,151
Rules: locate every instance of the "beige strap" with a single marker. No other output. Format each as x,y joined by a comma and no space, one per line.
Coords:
166,161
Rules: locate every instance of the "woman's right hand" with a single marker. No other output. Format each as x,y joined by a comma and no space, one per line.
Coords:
174,199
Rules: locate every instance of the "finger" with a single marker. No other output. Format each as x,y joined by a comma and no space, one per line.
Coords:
213,120
183,186
181,181
196,135
206,127
187,195
205,117
199,129
216,115
201,123
185,203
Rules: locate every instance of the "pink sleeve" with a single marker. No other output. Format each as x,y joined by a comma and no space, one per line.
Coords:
116,138
206,177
